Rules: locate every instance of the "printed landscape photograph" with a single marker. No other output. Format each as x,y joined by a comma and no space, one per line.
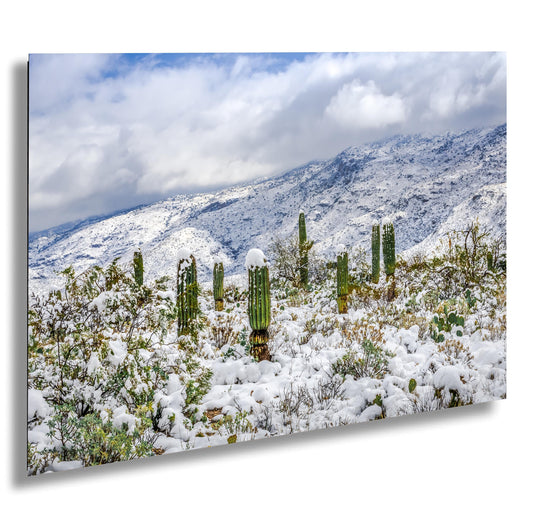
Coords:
231,247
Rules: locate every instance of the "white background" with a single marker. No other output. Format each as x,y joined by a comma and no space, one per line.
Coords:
475,459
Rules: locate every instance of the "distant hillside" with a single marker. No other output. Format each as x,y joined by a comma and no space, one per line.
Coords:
425,184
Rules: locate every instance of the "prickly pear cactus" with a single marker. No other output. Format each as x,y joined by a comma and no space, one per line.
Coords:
218,285
389,248
342,281
412,385
375,251
187,291
138,269
258,303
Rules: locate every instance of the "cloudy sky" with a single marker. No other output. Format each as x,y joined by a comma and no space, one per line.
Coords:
111,131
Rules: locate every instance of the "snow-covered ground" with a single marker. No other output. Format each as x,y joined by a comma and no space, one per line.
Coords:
106,362
381,359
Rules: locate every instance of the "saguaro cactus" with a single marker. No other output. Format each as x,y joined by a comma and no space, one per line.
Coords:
187,291
342,280
138,269
389,248
375,251
304,247
258,303
218,285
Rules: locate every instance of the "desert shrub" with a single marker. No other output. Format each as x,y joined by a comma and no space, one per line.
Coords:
371,360
466,257
236,427
285,263
95,439
102,344
327,390
360,331
360,271
223,330
454,352
295,403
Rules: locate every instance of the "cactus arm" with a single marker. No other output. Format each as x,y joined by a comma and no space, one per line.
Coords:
186,293
138,268
389,248
304,247
375,252
342,282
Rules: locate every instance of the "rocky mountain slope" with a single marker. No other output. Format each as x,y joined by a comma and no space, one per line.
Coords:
427,185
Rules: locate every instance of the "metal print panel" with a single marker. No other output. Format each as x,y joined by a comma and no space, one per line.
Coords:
231,247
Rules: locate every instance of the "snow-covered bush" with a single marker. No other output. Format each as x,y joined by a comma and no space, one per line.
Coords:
109,378
103,357
370,360
285,267
463,259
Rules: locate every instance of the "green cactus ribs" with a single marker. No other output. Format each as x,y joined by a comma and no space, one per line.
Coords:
342,280
389,247
258,303
138,269
218,285
187,291
375,251
389,258
304,247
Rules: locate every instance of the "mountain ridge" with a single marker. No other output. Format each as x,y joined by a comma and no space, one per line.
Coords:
416,180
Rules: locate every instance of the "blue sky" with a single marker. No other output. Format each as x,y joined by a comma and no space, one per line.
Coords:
111,131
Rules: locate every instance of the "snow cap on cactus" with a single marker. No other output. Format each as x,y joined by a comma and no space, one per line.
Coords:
184,254
341,248
386,220
217,259
255,258
375,222
301,210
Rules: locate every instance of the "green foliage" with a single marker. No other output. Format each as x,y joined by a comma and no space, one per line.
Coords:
412,385
470,300
98,346
389,249
445,322
218,285
138,268
303,251
468,257
370,361
342,282
196,388
375,253
187,294
93,440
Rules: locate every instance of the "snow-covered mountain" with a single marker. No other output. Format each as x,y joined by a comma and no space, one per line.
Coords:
427,185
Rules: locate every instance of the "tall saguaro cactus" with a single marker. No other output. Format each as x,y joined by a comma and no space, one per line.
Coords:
258,303
304,247
218,285
375,251
389,248
187,291
342,281
138,268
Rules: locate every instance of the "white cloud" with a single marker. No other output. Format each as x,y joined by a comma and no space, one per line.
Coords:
363,105
106,133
